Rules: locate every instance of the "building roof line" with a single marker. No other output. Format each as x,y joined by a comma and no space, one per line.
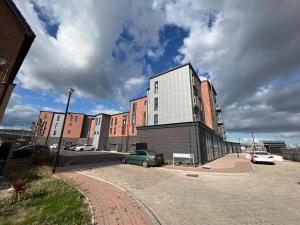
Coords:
137,98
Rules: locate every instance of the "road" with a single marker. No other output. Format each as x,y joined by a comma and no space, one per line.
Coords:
268,196
91,157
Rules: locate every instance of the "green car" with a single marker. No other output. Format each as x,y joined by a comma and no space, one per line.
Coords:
144,157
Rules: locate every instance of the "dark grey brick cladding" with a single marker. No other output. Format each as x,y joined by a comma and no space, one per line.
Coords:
191,137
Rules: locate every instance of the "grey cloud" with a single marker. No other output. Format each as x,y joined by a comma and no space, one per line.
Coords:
252,46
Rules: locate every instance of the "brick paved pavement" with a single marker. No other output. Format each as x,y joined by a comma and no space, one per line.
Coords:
110,205
267,196
227,164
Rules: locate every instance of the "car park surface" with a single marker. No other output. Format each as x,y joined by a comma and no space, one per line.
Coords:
268,195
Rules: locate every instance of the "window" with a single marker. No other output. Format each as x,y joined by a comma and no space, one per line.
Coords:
71,118
155,87
69,132
155,119
95,133
155,104
141,153
112,121
110,130
144,118
54,132
132,129
99,121
145,102
133,113
76,119
55,127
98,132
45,116
115,131
116,121
58,117
70,124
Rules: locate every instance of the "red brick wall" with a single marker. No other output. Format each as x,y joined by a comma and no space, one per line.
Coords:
73,128
11,36
43,124
115,130
208,114
141,108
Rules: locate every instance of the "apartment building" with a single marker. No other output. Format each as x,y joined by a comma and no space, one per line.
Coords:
174,96
211,108
118,138
49,127
178,103
16,38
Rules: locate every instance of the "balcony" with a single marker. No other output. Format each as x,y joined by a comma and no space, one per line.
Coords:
220,120
196,102
218,107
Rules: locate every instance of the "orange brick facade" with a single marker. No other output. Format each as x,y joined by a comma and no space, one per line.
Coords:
138,115
73,125
43,124
209,115
119,125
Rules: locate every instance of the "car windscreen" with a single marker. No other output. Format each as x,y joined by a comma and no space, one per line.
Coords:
261,153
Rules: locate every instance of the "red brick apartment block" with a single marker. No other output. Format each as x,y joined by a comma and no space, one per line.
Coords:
73,125
119,125
43,124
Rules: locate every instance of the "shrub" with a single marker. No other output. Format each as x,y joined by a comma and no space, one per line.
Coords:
19,186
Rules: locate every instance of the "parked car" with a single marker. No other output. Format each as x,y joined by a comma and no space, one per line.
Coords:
70,147
145,158
22,152
84,148
53,146
262,157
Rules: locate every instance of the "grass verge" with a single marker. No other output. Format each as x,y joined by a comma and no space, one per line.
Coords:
47,200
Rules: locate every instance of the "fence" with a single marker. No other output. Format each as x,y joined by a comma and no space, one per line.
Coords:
291,154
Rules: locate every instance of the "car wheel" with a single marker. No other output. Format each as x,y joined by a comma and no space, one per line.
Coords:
81,149
145,164
124,160
92,149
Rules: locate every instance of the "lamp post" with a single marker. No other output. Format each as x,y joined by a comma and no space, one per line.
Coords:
70,91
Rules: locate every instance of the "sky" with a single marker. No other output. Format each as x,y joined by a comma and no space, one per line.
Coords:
106,50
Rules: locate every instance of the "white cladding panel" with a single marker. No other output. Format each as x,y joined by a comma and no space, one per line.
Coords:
97,131
174,97
57,123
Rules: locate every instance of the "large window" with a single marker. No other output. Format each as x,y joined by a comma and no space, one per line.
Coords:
133,117
116,121
155,87
58,117
76,119
155,104
155,119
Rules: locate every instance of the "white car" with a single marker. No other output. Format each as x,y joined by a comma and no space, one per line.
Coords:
53,146
84,148
262,157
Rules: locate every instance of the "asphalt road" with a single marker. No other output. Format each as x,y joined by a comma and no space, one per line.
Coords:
91,157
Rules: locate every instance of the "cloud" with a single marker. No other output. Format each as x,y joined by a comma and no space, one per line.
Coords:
97,49
18,115
104,109
250,50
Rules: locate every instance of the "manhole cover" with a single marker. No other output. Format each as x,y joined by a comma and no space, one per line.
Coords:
192,175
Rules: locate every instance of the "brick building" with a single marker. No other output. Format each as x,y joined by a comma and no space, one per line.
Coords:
180,113
16,38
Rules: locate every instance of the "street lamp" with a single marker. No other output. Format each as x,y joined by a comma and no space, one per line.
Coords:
70,91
